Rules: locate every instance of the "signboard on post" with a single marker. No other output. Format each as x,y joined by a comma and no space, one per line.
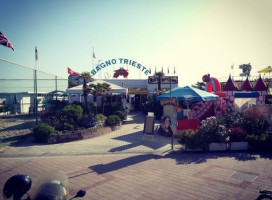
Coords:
149,125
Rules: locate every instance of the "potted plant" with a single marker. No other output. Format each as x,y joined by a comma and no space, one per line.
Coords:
190,140
237,138
213,134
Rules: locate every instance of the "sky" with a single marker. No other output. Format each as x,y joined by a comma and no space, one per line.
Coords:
194,37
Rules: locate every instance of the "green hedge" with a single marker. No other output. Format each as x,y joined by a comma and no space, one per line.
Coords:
113,120
121,114
42,131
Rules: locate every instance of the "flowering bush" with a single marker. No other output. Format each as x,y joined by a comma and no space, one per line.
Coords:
212,130
237,134
234,120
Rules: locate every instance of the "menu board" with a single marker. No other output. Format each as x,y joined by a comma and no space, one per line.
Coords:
149,125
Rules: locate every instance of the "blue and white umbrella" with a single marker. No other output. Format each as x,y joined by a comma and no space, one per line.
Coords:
188,93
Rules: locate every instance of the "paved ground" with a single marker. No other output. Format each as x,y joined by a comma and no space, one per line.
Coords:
124,165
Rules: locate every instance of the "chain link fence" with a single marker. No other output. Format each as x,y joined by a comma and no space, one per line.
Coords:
17,89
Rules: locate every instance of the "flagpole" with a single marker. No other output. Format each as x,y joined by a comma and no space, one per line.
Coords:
170,78
93,59
35,86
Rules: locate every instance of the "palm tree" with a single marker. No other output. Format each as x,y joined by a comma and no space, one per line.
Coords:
100,89
159,76
86,78
199,85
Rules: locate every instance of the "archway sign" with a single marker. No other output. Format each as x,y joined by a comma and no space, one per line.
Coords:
123,61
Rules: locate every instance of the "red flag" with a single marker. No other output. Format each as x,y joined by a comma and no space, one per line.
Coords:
94,55
36,53
4,41
71,72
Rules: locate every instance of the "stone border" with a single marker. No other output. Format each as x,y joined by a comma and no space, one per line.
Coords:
80,134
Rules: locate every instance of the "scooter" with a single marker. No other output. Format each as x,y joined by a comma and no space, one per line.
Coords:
51,186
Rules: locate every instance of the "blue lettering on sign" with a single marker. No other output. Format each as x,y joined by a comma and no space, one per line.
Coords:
102,65
93,72
98,68
120,61
113,61
108,62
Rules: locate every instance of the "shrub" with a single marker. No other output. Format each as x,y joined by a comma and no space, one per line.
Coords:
100,118
237,134
71,114
255,125
51,118
68,127
121,114
112,108
234,120
260,142
113,120
212,130
189,138
42,131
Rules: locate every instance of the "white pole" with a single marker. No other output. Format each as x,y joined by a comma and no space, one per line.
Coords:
35,86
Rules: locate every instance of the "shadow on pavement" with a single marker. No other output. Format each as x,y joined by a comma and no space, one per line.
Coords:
137,139
24,125
119,164
181,159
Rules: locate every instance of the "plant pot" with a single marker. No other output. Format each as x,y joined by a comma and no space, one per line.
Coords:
218,146
239,146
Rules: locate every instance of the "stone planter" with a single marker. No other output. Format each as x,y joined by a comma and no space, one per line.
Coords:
238,146
220,146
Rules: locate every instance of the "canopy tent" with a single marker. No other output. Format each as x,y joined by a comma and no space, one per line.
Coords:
188,93
114,88
266,70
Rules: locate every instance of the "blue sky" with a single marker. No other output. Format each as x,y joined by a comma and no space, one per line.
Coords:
195,36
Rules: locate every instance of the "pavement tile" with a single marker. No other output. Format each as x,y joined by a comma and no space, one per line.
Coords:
121,165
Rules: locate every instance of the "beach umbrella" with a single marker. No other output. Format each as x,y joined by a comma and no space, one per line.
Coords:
266,70
188,93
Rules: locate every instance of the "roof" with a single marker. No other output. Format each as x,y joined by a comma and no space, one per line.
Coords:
246,85
114,88
260,85
229,86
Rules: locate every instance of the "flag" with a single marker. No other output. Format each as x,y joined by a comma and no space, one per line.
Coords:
4,41
168,70
71,72
94,55
36,54
174,70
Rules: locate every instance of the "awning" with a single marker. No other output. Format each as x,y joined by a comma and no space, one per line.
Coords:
137,91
